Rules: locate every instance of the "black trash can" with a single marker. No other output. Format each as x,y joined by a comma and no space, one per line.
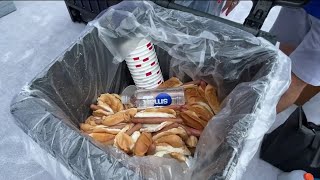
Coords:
249,72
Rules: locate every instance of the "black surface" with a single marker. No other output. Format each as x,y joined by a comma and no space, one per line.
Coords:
294,145
85,11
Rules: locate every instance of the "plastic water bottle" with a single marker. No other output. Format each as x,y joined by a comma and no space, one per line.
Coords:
142,98
296,175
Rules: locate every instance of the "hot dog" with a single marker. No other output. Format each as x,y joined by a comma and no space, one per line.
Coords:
95,107
191,131
155,120
197,82
136,127
203,84
151,149
118,126
171,126
174,107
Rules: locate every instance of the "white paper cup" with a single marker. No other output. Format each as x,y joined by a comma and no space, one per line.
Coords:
139,51
138,66
146,47
137,70
139,56
157,79
149,82
143,42
142,60
143,66
152,87
148,86
145,74
150,79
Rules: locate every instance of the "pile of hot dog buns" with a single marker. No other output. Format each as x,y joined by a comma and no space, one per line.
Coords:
172,131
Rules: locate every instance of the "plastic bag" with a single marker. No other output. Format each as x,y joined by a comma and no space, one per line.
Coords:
250,74
207,6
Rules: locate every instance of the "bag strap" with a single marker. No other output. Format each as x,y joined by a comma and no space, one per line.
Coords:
316,141
314,126
310,125
316,129
315,145
302,118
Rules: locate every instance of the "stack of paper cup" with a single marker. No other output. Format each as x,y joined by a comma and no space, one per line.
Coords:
144,66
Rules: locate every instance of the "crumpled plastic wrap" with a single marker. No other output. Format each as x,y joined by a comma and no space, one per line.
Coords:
210,7
250,74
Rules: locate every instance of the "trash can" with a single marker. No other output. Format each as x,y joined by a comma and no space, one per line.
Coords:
249,72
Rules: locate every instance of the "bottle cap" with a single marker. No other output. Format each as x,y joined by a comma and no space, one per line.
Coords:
127,93
308,176
129,90
125,99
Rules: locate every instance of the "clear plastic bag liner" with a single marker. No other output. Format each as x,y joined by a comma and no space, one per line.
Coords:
210,7
249,73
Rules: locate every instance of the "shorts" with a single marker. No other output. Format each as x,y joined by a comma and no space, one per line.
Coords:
297,28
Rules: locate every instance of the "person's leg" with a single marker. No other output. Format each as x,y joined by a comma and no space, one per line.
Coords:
289,36
308,92
296,86
287,48
305,65
306,62
292,94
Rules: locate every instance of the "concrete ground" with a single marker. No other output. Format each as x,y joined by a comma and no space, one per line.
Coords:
30,39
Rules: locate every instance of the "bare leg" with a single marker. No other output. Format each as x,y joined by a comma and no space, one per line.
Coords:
296,87
308,92
292,94
287,48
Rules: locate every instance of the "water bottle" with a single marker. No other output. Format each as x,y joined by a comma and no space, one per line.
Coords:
142,98
296,175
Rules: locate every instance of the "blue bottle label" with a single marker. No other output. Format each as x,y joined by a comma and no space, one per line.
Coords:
163,99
